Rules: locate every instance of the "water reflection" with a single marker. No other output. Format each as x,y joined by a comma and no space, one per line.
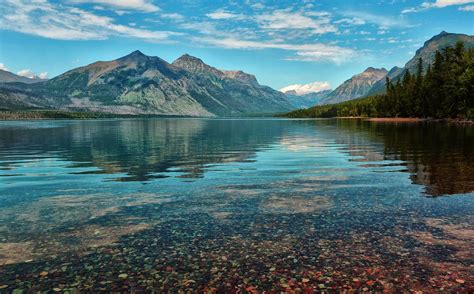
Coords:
437,156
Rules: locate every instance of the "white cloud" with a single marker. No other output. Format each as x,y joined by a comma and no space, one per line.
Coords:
445,3
308,88
222,14
467,8
437,4
28,73
315,22
44,19
138,5
303,52
3,67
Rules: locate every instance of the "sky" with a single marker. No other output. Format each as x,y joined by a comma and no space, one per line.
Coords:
320,43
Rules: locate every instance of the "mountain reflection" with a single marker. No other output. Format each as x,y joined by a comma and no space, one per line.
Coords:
438,156
143,149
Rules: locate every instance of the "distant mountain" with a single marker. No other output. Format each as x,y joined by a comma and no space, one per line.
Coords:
427,53
355,87
141,84
307,100
9,77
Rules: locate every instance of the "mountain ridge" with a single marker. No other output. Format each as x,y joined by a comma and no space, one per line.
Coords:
355,87
140,84
426,53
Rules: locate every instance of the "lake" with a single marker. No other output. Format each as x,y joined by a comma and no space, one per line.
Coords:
236,205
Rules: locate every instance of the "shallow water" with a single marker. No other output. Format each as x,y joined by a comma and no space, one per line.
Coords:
236,205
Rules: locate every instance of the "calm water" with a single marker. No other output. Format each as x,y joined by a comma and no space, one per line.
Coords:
236,205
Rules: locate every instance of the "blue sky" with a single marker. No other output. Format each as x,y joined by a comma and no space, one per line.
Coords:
281,42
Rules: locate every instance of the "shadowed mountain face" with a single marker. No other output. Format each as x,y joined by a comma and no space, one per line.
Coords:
357,86
427,54
140,84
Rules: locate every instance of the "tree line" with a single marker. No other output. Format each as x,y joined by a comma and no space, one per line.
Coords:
445,89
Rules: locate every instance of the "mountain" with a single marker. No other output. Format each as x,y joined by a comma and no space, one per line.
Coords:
306,100
9,77
355,87
141,84
427,54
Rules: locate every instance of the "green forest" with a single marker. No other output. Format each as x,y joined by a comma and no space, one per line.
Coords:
443,90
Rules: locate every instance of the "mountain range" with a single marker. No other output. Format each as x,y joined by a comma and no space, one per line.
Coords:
306,100
355,87
141,84
9,77
372,80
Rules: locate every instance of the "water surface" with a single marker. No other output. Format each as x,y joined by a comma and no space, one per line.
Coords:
236,205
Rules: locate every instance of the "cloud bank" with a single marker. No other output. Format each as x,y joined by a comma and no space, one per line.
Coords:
314,87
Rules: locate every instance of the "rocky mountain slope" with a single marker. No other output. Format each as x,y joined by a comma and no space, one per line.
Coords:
355,87
141,84
427,54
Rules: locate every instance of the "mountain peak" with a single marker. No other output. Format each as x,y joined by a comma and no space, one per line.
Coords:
188,58
135,55
241,76
195,65
373,69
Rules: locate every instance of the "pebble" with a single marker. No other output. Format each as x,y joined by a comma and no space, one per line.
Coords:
123,276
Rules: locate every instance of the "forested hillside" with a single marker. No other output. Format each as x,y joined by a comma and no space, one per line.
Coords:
446,90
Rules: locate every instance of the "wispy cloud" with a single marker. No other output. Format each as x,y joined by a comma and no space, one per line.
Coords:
351,21
223,14
137,5
41,18
285,19
445,3
437,4
300,89
302,52
384,21
173,16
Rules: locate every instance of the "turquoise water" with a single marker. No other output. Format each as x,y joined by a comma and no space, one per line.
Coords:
235,205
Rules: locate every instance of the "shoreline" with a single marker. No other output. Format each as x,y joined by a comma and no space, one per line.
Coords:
417,120
397,119
32,115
